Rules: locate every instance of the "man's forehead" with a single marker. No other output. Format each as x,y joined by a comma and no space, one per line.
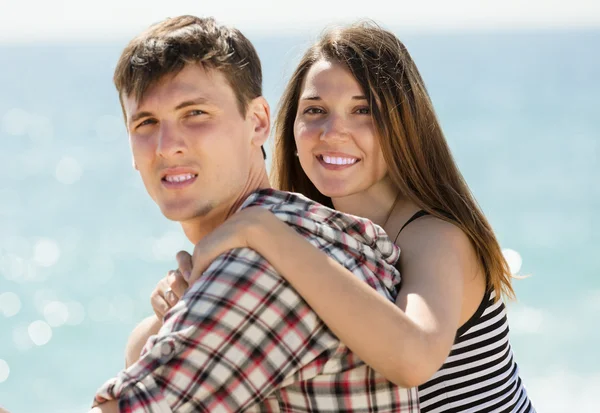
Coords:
197,84
165,92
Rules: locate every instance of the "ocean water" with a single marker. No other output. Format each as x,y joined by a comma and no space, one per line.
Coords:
82,245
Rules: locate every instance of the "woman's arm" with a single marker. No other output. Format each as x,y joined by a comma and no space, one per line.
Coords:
407,347
407,344
137,340
161,302
108,407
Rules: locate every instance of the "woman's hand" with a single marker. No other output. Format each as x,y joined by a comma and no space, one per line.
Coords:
235,232
170,289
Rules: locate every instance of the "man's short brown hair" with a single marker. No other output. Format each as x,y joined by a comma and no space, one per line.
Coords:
166,47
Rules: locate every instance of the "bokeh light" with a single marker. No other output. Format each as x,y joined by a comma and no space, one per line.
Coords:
42,297
40,332
526,320
10,304
46,252
16,268
68,170
514,260
4,371
56,313
21,339
16,244
14,122
76,313
40,129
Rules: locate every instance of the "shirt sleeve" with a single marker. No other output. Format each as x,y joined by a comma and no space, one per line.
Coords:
235,335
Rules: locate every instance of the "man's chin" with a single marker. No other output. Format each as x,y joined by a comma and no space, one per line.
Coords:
185,214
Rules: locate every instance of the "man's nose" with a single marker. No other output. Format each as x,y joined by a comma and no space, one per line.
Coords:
170,141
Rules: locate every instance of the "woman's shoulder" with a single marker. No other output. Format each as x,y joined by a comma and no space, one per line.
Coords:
436,238
429,228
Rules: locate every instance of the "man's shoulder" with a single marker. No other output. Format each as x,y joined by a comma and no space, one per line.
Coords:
298,210
356,243
323,225
276,200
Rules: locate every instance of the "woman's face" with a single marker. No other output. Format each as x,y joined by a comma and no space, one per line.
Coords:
337,144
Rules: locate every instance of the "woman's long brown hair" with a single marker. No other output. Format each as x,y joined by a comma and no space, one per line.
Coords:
418,158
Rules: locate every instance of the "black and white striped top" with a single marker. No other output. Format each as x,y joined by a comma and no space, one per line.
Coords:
480,374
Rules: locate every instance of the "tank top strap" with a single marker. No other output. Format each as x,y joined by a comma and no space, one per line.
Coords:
416,216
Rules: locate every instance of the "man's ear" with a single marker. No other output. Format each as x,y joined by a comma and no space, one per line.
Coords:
260,113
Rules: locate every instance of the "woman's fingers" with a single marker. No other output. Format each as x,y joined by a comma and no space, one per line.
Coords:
178,285
159,304
167,293
184,263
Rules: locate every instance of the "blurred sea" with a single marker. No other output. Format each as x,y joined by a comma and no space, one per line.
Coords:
82,245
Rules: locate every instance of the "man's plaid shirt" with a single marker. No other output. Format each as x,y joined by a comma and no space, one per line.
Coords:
242,339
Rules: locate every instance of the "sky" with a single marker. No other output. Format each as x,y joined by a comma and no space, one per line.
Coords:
64,20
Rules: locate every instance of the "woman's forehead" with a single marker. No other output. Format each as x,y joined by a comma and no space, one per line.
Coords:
327,78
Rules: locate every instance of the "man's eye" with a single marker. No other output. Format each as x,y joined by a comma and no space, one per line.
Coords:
196,112
146,122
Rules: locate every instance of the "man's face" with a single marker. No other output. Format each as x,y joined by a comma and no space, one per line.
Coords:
190,143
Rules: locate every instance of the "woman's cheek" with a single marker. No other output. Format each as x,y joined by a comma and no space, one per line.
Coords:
300,131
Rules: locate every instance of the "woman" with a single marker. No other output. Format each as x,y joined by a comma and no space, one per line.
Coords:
356,131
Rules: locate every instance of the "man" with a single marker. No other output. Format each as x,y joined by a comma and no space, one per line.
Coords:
240,339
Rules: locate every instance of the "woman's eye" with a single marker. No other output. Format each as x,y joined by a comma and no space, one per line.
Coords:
314,111
363,111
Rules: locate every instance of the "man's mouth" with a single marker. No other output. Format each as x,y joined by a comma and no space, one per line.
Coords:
179,178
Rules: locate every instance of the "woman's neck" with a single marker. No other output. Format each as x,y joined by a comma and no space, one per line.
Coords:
375,203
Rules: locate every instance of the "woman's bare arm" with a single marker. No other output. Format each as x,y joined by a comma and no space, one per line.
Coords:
140,334
407,344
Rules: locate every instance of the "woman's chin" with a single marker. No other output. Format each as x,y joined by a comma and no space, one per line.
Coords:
335,191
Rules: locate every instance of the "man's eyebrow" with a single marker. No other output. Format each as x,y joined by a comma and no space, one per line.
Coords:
192,102
197,101
139,116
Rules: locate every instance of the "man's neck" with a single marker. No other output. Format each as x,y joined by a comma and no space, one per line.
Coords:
200,227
